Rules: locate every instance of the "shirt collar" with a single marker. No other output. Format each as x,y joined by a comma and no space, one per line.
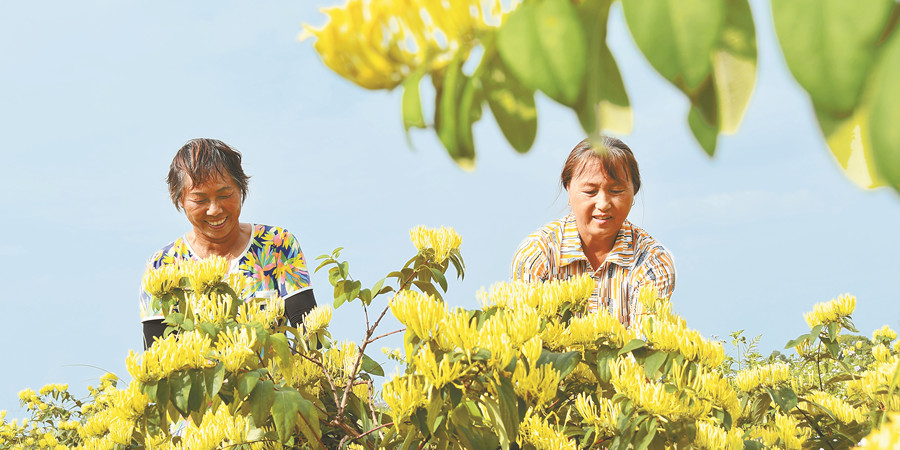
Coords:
622,253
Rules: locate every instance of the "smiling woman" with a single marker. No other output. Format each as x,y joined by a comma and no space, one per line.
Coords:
207,182
601,177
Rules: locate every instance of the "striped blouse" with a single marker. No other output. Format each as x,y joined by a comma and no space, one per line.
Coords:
636,260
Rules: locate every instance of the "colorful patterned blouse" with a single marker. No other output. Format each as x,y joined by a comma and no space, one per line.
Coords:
272,259
636,260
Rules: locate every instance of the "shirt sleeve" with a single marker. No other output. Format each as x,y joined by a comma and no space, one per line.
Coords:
531,263
291,271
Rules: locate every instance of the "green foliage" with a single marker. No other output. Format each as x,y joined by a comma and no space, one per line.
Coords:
530,369
843,54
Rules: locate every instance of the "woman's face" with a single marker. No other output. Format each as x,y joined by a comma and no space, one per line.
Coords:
600,204
213,208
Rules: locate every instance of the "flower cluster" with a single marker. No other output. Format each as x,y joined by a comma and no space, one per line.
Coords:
376,44
442,240
831,312
765,375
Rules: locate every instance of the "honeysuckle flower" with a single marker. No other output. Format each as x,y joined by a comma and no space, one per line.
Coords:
237,348
537,385
711,436
442,240
831,312
404,394
160,281
887,436
603,417
546,297
785,433
341,358
267,312
458,331
317,319
841,410
420,313
532,349
495,338
206,272
187,350
674,337
541,434
707,385
881,353
653,397
590,330
376,44
884,333
217,429
766,375
437,374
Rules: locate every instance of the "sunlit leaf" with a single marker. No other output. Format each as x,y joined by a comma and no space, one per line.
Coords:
734,65
829,46
885,118
543,44
512,104
676,36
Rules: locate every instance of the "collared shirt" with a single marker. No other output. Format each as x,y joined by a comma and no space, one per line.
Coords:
636,260
272,261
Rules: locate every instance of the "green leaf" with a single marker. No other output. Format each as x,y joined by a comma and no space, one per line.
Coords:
734,65
180,391
632,345
649,430
784,397
564,363
512,104
282,348
654,361
197,395
676,36
833,331
411,103
246,382
604,356
439,277
371,366
829,46
285,412
509,407
214,378
261,400
603,102
753,445
706,134
543,44
885,116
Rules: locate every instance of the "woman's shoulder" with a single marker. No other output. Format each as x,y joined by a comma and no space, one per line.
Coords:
171,253
646,246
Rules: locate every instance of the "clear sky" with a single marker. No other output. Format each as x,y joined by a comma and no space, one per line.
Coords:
97,95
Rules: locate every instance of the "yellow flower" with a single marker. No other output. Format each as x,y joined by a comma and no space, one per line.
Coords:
404,394
265,311
160,281
376,44
766,375
442,240
881,353
676,337
317,319
538,385
206,272
885,437
711,436
785,433
542,435
546,297
341,359
437,374
217,429
237,348
831,312
591,330
628,378
458,331
604,418
839,408
884,333
420,313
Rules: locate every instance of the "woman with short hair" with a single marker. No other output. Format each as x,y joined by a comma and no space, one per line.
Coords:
207,182
601,177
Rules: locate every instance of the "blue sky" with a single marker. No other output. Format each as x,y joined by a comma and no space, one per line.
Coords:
96,96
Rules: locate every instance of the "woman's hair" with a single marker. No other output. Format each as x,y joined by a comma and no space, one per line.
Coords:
611,153
201,159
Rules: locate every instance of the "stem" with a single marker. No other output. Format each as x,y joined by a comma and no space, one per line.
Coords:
375,429
818,369
362,350
327,376
387,334
322,444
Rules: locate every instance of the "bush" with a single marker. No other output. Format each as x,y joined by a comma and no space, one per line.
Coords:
530,369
